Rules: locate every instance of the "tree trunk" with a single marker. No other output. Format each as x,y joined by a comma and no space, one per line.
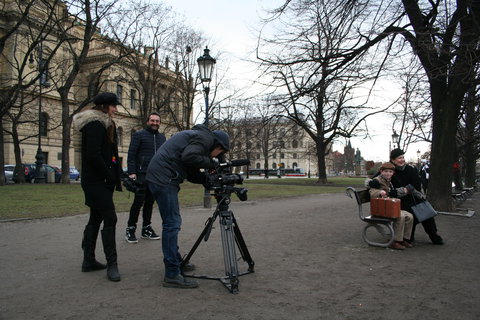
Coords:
470,154
445,108
321,168
66,136
18,157
2,154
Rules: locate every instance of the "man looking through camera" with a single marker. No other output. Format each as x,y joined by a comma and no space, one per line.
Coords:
181,157
142,147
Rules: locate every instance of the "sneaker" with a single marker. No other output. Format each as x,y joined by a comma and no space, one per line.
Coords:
149,233
130,235
179,282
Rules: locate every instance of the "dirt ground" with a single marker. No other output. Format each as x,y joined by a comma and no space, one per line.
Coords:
310,263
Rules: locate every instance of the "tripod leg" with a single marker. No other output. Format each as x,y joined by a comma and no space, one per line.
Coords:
242,247
228,244
204,235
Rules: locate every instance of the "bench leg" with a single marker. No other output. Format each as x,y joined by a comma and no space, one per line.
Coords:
378,234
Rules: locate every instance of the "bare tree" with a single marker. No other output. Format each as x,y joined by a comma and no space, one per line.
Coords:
444,36
315,78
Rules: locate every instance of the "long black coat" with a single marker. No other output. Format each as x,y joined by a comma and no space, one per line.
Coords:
100,167
401,178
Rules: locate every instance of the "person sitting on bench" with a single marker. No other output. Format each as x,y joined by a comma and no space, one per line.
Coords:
381,187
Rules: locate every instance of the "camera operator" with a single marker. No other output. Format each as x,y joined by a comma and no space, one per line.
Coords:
181,157
143,146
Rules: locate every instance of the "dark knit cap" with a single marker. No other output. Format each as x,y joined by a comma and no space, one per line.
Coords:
396,153
106,98
387,165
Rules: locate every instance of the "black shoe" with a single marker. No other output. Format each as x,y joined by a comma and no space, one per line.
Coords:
436,239
88,266
189,267
130,235
179,282
149,233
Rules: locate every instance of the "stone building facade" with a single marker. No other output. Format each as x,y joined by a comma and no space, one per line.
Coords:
38,107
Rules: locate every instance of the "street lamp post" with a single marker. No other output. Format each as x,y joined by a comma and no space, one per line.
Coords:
395,140
418,159
205,66
39,168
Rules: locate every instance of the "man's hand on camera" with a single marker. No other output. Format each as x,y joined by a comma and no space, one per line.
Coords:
133,176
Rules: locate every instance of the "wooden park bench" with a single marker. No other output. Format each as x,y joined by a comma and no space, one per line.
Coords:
378,231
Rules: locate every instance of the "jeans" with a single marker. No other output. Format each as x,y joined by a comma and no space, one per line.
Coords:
167,200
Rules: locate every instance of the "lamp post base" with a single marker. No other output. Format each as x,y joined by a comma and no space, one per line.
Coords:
39,168
207,199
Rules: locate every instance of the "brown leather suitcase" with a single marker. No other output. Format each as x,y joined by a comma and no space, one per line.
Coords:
385,207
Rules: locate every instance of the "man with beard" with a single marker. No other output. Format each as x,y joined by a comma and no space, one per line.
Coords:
143,146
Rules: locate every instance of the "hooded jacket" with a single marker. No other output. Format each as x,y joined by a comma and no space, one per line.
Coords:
181,157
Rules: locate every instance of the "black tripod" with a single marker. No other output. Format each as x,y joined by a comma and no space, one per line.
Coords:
229,233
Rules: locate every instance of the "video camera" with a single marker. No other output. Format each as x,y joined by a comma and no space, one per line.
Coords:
222,180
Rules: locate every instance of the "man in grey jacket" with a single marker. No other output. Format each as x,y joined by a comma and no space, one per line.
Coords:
180,158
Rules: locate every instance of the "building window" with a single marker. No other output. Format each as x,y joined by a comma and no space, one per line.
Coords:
282,155
43,124
258,156
274,165
119,92
294,155
59,156
274,155
295,165
133,97
294,144
257,165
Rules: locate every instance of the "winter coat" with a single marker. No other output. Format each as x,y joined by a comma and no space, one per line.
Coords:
100,167
402,177
182,156
384,186
142,147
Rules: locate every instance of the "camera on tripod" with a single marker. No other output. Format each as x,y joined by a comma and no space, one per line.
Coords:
222,180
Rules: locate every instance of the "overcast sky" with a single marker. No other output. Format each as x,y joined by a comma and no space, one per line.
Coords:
229,25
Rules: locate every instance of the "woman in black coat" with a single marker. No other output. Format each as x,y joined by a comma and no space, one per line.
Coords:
100,177
405,180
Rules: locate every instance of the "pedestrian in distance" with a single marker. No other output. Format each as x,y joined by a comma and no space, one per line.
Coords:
381,187
100,177
180,158
142,147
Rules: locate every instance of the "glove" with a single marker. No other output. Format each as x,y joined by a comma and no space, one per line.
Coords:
374,184
393,193
411,189
419,195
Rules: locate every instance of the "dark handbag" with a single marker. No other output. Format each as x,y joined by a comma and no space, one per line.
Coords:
423,210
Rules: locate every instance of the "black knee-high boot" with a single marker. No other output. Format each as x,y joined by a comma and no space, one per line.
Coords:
110,249
89,242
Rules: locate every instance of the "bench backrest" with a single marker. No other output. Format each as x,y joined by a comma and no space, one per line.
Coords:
361,196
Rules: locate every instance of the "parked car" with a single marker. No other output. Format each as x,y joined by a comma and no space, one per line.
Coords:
30,172
74,174
8,171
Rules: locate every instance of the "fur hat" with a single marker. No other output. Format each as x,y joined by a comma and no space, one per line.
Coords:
387,165
396,153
